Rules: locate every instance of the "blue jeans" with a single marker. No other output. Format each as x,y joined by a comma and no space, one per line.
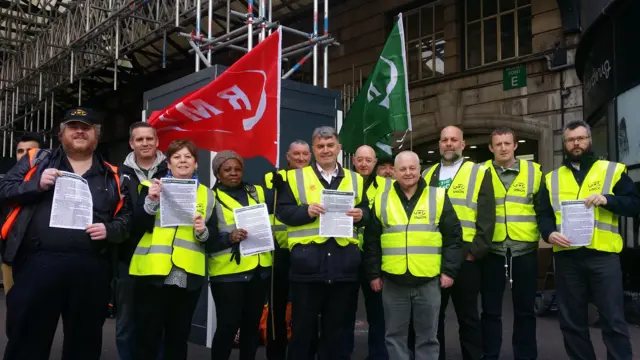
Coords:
375,318
124,313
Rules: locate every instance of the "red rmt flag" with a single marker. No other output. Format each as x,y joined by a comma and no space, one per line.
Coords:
239,110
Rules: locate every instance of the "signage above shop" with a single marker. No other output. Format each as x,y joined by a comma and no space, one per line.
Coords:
598,71
514,77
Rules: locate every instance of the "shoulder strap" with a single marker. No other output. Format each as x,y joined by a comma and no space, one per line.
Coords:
116,176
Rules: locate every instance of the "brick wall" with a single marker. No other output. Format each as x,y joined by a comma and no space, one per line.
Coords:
471,99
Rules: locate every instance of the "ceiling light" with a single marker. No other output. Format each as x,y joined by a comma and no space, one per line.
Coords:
473,146
430,151
466,157
522,141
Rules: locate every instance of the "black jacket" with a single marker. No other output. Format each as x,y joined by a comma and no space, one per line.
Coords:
15,192
486,218
450,229
326,262
130,181
625,200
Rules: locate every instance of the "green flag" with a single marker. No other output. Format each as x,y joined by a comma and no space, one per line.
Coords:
382,106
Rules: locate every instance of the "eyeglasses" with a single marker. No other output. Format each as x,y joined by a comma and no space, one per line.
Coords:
578,139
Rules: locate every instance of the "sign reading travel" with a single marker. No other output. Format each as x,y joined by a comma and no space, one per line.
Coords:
514,77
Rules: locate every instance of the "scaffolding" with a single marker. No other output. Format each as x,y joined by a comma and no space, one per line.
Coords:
50,46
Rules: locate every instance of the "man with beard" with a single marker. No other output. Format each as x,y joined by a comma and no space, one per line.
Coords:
470,190
60,271
385,167
591,272
298,157
141,166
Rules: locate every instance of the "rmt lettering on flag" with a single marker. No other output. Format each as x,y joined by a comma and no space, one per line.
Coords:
239,110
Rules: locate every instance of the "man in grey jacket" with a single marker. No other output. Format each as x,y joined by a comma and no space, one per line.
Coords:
143,164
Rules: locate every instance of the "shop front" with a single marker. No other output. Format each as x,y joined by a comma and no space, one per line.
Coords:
607,64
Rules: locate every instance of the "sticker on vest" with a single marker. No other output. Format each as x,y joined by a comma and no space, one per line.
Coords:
420,214
519,187
458,189
445,184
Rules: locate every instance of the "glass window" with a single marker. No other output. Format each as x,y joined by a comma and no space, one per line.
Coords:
496,30
425,40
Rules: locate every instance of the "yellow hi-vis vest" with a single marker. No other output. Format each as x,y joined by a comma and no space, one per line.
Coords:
307,189
463,194
220,262
601,179
415,243
278,227
515,215
371,196
158,251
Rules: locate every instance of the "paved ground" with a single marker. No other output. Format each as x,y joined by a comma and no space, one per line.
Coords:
550,345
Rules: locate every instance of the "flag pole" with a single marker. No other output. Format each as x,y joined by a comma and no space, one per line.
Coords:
273,265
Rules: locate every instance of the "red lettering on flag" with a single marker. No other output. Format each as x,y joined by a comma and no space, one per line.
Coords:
239,110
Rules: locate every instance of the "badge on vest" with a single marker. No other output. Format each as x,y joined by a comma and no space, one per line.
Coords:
458,189
200,209
595,186
420,214
519,187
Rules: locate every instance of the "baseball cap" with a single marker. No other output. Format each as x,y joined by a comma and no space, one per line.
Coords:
82,114
386,160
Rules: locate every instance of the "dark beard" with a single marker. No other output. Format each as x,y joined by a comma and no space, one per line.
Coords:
578,158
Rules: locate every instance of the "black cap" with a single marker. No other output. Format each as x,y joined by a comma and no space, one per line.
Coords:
82,114
385,160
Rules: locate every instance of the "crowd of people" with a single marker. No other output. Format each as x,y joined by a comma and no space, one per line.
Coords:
420,239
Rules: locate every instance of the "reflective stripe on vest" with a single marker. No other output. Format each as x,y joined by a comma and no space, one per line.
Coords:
372,190
410,244
563,186
515,214
220,262
159,251
463,194
307,189
278,227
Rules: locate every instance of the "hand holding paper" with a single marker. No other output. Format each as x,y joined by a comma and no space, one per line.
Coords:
238,235
154,192
48,178
356,214
198,223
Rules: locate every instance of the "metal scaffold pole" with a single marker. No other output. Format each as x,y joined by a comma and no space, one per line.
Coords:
315,46
250,26
325,73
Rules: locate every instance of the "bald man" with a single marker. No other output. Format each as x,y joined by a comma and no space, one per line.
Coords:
470,189
364,162
412,252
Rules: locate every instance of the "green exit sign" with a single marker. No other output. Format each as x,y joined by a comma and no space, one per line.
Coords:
514,77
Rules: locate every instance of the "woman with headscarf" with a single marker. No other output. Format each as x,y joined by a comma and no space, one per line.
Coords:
169,263
238,283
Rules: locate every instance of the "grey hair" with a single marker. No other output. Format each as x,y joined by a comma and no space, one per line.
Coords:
572,125
64,125
406,154
299,142
324,132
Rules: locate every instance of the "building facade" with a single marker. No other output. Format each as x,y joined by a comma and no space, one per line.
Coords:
475,64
